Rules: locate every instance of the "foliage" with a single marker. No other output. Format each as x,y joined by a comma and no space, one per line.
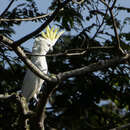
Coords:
77,103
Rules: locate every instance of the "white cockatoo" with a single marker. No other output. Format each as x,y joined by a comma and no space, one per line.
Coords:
32,83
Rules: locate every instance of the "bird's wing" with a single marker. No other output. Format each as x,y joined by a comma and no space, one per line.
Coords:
31,85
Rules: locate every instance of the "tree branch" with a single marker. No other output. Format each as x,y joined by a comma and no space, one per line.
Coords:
17,99
114,25
90,68
2,96
114,2
22,107
100,26
38,120
78,2
26,19
38,30
11,2
76,52
26,60
121,127
94,67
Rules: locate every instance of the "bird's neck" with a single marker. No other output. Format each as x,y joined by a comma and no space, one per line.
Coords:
41,56
43,52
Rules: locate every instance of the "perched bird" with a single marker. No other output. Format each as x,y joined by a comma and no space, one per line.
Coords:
32,83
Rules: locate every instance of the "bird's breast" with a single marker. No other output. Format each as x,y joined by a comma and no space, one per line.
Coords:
41,63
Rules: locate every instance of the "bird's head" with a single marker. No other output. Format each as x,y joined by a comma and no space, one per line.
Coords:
51,36
46,41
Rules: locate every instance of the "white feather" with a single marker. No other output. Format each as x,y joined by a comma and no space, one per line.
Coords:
32,83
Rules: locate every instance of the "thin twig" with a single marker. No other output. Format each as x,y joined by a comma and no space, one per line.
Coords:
114,25
26,19
59,54
78,2
100,26
8,61
113,4
67,52
11,2
104,3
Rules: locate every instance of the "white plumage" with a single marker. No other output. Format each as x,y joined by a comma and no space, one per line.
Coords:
32,83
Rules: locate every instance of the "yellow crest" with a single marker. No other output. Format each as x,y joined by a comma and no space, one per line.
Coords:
52,33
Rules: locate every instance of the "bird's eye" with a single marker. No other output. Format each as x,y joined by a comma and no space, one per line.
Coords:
49,45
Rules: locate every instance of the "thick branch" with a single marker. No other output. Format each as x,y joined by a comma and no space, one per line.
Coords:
15,98
26,60
94,67
22,107
6,96
40,114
